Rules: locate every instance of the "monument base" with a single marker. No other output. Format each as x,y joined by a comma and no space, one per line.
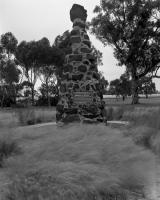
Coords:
85,114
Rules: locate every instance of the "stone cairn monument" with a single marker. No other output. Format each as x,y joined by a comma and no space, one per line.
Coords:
79,93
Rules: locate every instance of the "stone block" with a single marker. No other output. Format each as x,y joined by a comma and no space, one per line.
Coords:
97,86
82,68
77,77
88,78
89,73
92,67
75,87
75,32
66,76
60,108
79,24
86,37
75,39
75,57
96,75
86,50
90,57
86,62
70,85
87,42
68,68
88,87
71,118
63,88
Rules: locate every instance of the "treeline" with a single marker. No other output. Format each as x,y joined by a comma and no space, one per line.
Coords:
123,86
21,65
24,64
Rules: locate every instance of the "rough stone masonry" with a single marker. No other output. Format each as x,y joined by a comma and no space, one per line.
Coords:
79,95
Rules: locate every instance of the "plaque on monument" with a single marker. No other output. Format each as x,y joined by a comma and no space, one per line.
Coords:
82,98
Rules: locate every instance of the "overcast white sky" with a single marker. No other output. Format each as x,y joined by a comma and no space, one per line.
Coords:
34,19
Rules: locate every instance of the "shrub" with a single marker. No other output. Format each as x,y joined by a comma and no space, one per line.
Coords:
142,135
144,116
7,148
109,113
32,116
155,143
43,101
118,113
26,116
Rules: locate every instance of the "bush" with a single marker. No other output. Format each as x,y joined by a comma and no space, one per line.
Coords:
42,101
144,116
31,116
155,143
109,113
26,116
142,135
114,113
7,148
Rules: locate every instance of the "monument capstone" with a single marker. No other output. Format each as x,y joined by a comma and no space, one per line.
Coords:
79,93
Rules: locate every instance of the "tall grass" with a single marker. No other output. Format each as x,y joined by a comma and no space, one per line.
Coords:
145,126
8,147
148,116
30,116
7,118
79,162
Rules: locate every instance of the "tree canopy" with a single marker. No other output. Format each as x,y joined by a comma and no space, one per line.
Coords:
132,28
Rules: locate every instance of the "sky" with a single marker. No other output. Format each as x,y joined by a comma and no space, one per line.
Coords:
34,19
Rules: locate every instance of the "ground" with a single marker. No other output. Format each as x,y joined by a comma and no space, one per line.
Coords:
151,101
93,160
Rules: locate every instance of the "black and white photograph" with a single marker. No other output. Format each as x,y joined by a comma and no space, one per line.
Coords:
79,99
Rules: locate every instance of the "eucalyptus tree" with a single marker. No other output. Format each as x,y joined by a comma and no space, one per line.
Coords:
47,61
9,70
9,43
28,57
132,28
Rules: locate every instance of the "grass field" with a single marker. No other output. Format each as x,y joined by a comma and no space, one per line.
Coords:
79,162
76,162
151,101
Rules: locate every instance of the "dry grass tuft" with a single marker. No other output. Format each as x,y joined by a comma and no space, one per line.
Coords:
78,162
30,116
8,147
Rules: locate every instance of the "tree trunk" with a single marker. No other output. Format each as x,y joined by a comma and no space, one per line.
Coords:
48,97
3,97
135,98
32,91
2,101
